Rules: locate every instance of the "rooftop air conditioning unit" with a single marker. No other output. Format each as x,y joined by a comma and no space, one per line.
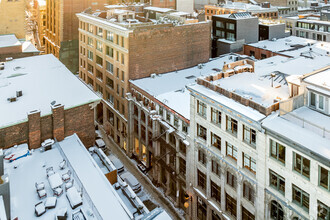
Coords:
153,75
19,93
2,67
9,59
200,66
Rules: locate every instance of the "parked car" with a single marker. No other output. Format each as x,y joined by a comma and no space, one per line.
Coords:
131,181
117,163
100,143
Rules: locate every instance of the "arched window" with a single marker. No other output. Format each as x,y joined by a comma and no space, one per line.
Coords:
276,211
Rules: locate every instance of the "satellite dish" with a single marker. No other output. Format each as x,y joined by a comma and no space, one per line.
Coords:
53,102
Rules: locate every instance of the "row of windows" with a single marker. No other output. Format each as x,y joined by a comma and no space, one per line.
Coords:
301,164
109,51
316,27
105,34
231,151
176,119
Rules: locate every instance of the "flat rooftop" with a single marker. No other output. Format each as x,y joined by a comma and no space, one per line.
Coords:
257,86
169,88
42,80
294,46
9,40
321,79
303,126
100,200
246,7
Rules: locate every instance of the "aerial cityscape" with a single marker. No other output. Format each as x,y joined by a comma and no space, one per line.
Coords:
164,109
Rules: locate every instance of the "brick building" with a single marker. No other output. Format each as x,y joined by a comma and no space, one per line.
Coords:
61,37
117,46
35,104
10,46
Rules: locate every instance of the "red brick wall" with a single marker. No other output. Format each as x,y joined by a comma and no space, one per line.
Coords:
165,49
78,120
259,51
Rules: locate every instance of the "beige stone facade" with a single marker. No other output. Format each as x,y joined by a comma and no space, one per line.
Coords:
12,18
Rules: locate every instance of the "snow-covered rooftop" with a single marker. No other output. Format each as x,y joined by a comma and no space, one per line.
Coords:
294,46
170,88
247,7
9,40
99,199
321,79
42,80
28,47
162,10
304,127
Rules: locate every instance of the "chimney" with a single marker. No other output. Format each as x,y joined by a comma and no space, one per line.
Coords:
58,121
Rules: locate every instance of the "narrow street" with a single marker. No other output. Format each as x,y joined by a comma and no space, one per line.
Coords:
144,180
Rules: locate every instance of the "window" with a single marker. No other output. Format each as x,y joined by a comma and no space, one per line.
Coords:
110,36
231,36
90,55
122,76
99,32
99,89
110,117
122,92
231,180
202,157
312,99
219,24
90,28
99,46
110,82
117,55
201,108
99,60
110,98
109,51
277,151
215,192
276,211
90,41
182,166
246,215
215,216
231,151
182,147
231,125
168,116
301,165
90,68
324,178
215,141
201,210
323,211
231,206
300,197
230,26
109,67
161,111
276,181
216,169
176,121
248,192
122,59
118,89
99,74
122,41
249,163
201,132
216,117
184,127
249,135
201,179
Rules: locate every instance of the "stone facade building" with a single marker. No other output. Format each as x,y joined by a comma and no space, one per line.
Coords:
249,162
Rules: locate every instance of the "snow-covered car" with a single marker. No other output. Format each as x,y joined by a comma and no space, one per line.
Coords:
117,163
100,143
131,181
